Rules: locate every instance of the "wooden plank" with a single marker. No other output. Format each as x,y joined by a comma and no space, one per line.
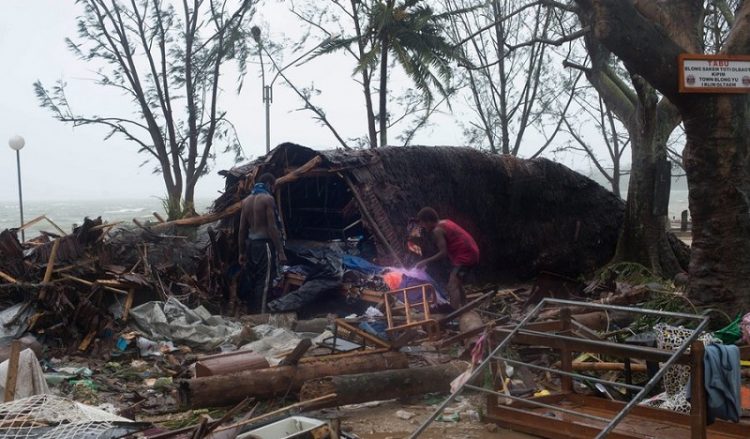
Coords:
698,409
12,377
51,261
87,341
128,304
369,337
370,219
293,358
8,277
566,356
89,283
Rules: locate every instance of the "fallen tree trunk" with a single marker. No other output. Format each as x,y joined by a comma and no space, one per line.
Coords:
364,387
225,364
223,390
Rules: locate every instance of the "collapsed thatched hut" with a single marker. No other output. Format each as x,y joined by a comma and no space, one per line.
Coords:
527,215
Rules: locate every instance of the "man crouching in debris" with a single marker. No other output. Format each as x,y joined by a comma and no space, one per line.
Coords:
258,230
455,243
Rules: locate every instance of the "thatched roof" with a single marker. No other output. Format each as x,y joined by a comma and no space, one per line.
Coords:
526,215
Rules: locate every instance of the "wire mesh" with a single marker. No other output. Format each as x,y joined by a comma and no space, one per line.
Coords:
53,417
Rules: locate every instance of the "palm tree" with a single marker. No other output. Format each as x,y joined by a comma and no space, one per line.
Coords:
412,34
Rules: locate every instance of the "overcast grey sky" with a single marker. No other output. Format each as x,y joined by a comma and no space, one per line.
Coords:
62,163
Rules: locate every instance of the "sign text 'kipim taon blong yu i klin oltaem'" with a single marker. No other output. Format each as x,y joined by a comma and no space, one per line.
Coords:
714,73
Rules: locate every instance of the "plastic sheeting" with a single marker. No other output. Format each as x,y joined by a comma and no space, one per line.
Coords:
309,292
30,380
173,321
8,314
275,343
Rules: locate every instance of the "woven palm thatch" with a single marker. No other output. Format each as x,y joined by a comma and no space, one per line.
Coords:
526,215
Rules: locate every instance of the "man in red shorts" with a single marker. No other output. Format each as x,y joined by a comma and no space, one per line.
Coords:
455,243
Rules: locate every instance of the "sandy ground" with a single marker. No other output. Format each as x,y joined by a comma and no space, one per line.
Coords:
382,422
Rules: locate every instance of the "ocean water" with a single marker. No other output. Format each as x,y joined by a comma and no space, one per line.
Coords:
66,214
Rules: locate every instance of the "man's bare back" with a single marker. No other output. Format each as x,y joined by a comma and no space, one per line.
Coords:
257,222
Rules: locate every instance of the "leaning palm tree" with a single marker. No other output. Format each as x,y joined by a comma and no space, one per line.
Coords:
412,33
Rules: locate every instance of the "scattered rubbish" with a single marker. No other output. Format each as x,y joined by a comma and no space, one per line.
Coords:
453,417
403,414
292,427
175,322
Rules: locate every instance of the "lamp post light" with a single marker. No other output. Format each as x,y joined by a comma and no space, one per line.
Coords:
16,143
255,31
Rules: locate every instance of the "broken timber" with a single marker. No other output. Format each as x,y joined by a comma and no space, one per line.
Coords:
223,390
388,384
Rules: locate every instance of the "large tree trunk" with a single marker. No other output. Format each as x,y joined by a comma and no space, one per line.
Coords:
717,162
223,390
649,37
643,238
389,384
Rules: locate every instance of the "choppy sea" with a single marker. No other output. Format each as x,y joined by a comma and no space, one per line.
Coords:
68,213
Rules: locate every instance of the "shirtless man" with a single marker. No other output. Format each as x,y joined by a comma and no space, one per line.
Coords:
258,230
457,245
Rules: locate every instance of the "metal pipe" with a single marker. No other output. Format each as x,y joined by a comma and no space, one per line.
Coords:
476,371
20,192
267,100
623,308
537,403
652,382
570,374
634,350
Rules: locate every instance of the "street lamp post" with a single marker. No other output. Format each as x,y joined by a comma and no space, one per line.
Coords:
268,89
255,31
16,143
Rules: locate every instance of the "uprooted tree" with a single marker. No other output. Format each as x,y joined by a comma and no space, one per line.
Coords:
167,60
648,37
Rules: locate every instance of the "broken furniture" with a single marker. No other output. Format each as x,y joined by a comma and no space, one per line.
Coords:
349,326
570,415
415,302
291,281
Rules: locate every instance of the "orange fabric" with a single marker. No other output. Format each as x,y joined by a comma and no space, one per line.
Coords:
393,279
745,397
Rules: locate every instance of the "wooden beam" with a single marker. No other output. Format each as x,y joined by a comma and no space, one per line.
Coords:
235,208
698,409
128,304
12,374
8,277
370,220
90,284
293,358
87,341
51,261
369,337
